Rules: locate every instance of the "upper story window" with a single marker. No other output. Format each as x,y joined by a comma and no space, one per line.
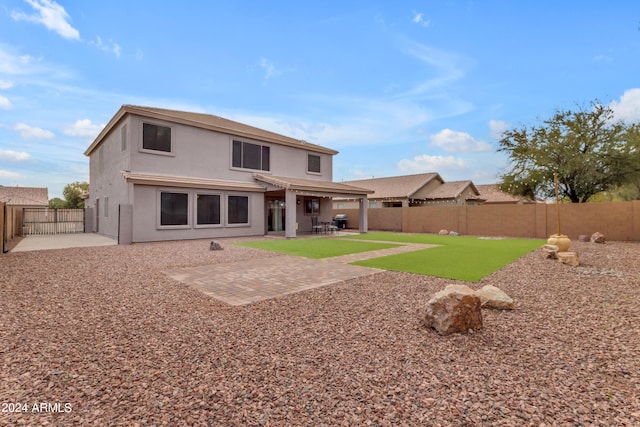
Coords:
250,156
156,138
123,138
313,163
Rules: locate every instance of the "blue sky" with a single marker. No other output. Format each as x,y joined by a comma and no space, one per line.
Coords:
396,87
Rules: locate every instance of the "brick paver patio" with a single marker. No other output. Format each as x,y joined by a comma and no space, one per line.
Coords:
250,281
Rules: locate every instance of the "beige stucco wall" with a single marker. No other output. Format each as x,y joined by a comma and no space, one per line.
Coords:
105,180
206,154
196,152
146,213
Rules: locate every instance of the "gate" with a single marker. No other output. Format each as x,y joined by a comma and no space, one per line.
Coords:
52,221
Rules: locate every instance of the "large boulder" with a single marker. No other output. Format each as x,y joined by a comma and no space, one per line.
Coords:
493,297
583,238
457,308
550,251
569,258
443,232
597,237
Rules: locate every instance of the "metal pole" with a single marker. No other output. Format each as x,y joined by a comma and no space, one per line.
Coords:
555,178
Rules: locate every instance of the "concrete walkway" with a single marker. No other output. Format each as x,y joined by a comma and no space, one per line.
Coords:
61,241
250,281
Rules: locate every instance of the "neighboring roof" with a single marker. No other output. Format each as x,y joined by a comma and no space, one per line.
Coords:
492,194
451,190
396,186
205,121
142,178
312,186
24,196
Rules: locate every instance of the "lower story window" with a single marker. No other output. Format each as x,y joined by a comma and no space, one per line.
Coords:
238,210
174,208
208,209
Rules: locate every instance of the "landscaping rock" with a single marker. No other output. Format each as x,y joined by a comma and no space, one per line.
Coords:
550,251
597,237
569,258
443,232
454,233
493,297
457,308
583,238
215,246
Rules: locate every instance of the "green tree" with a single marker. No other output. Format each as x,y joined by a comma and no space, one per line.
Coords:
57,203
589,150
72,193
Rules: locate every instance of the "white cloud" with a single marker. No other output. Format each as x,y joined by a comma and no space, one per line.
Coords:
110,46
83,128
269,68
418,18
628,107
6,174
14,156
5,84
448,68
30,132
5,104
14,64
452,141
426,163
498,127
51,15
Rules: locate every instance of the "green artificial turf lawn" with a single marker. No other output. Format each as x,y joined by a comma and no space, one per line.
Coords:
317,247
459,257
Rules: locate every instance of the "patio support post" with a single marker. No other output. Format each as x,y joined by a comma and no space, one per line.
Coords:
290,214
364,215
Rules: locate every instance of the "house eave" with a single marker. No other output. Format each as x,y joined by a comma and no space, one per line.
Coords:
141,178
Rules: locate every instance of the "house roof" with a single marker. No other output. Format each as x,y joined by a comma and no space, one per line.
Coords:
24,196
451,190
403,186
492,194
143,178
204,121
312,186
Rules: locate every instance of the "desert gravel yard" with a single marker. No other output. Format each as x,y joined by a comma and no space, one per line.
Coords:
102,337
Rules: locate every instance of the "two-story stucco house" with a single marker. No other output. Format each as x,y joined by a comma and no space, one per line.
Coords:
158,174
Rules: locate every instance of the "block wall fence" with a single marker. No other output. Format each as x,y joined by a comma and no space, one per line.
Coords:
616,220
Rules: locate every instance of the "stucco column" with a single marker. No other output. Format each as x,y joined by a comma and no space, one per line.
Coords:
364,215
290,214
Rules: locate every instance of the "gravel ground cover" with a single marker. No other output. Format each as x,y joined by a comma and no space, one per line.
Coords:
102,337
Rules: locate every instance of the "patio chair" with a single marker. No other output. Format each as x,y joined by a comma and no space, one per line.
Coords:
315,225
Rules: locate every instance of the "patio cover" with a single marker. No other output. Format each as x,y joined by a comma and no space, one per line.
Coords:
314,187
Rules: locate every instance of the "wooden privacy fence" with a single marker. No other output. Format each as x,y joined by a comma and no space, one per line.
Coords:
617,220
52,221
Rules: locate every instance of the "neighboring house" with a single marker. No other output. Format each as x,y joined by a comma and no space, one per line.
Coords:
412,190
25,197
158,174
393,191
493,195
454,193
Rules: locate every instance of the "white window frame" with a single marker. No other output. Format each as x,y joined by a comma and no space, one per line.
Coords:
241,167
141,148
226,210
319,161
189,223
222,209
